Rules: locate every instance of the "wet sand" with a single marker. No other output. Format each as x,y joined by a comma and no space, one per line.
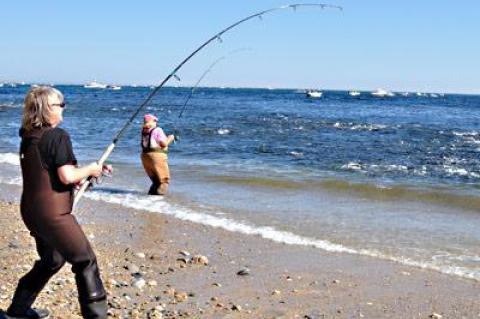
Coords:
147,276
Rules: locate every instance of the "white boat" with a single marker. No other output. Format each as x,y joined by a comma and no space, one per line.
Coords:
115,87
354,93
433,95
314,94
95,85
405,94
381,93
1,85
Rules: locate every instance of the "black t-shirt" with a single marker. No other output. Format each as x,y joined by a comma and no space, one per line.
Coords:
56,149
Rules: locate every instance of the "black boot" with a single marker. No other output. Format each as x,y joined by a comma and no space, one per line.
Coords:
28,314
154,189
21,304
94,310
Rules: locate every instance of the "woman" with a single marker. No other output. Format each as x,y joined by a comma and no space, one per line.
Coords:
49,174
154,155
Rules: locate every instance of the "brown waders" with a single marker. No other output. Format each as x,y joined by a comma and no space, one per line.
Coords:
47,214
155,164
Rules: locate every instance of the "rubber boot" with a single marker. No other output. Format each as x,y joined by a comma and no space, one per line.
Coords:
94,310
153,189
22,302
35,313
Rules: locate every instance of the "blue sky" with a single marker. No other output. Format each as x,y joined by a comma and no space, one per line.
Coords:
398,45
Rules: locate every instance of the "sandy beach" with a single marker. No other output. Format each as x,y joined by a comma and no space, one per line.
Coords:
155,266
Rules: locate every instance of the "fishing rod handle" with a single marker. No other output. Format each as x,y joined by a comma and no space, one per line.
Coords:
86,181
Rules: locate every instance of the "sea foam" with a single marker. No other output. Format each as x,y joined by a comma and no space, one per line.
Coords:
9,158
159,205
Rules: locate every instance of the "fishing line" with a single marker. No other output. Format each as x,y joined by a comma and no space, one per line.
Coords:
218,37
192,91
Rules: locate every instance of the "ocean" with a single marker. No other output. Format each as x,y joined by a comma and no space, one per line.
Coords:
394,178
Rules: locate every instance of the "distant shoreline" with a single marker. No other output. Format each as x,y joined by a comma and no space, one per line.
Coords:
365,90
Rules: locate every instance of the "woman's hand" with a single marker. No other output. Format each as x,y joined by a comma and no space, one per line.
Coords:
69,174
94,169
97,170
107,170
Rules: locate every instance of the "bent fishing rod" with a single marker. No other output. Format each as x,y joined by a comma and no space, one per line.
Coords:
86,183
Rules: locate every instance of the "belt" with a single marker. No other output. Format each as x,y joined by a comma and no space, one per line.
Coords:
156,150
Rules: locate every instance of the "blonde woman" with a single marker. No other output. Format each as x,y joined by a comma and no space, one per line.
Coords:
154,155
50,172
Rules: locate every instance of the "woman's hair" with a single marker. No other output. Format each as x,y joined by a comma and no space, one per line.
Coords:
36,112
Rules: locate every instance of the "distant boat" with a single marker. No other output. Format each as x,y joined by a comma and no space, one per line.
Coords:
382,93
314,94
421,94
405,93
1,85
95,85
433,95
114,87
354,93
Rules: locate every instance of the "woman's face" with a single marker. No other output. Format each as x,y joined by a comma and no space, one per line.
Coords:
56,110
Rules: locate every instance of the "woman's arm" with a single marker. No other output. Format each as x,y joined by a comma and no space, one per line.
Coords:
168,141
70,174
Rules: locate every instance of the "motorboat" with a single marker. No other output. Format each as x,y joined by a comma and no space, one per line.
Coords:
314,94
95,85
115,87
382,93
354,93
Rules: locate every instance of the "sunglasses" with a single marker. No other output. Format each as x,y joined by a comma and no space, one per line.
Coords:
62,105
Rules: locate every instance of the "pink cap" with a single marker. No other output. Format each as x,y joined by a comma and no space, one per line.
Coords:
149,117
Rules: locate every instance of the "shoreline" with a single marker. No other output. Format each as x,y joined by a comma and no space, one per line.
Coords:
138,254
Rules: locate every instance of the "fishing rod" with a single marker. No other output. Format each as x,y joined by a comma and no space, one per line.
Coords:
86,182
192,91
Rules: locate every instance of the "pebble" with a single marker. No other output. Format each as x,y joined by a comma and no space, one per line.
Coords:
243,272
200,259
237,308
180,297
184,253
140,255
138,283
